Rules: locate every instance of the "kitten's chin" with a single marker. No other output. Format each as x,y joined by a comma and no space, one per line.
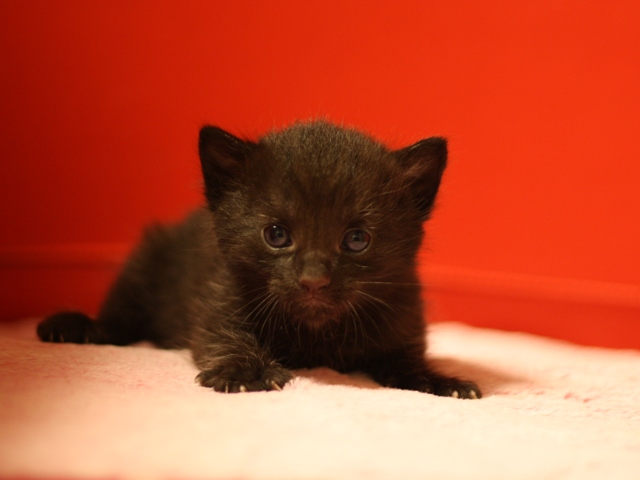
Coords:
314,313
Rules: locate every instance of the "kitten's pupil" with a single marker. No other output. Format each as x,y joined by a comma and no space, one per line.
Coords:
356,240
277,236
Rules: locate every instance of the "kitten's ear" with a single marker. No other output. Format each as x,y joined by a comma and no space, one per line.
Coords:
222,156
424,162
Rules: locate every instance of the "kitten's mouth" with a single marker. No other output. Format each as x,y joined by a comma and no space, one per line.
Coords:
314,310
315,301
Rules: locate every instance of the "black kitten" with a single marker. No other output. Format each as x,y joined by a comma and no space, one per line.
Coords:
305,257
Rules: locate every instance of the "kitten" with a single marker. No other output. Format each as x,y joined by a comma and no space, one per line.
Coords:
305,256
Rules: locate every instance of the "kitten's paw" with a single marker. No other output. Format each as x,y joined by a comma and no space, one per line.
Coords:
452,387
236,378
70,327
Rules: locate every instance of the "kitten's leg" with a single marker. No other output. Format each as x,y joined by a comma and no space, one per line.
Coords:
233,361
119,323
124,316
414,373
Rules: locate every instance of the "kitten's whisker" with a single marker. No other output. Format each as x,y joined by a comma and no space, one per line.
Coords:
259,298
256,313
244,305
268,317
355,319
373,322
381,316
361,325
376,299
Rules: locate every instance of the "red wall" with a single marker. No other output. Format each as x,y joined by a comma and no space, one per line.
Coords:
101,103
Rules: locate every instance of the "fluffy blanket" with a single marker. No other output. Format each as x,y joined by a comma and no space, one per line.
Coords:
551,410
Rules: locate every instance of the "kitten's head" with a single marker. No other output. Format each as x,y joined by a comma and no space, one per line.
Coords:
318,221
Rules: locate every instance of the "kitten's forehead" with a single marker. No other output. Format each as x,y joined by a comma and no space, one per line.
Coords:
324,159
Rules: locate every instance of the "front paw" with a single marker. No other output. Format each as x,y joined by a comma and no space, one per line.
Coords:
234,378
450,387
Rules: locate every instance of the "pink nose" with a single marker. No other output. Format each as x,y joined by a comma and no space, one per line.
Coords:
314,285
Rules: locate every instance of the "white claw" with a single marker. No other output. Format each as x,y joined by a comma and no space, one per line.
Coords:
472,394
242,388
455,394
226,388
276,386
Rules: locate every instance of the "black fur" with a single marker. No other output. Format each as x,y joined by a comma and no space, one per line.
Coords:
251,311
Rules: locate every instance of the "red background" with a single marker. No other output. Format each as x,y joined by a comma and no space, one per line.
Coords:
101,103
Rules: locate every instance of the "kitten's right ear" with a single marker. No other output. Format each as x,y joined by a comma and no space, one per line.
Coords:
222,156
424,162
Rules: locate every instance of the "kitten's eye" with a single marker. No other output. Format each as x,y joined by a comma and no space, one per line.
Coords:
277,236
356,240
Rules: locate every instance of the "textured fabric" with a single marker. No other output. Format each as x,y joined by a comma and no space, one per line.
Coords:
551,410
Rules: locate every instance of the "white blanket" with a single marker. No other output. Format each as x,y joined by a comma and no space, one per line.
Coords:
552,410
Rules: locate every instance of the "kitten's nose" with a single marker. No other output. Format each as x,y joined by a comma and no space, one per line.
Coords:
314,285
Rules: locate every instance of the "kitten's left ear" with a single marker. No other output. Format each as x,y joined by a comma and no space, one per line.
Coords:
424,164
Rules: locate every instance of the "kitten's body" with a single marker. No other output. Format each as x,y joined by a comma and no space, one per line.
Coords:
305,257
